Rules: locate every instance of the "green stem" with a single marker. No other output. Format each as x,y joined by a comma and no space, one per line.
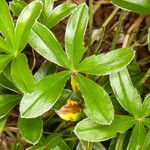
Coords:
89,146
143,80
90,21
109,18
116,35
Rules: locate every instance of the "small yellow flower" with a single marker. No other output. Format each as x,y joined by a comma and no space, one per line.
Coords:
71,111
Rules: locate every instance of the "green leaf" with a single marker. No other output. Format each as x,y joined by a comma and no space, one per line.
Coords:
6,23
4,60
54,141
45,95
137,137
146,106
98,107
147,122
108,63
93,132
139,6
48,45
47,9
4,47
46,68
7,103
17,6
2,124
6,83
62,99
74,37
21,74
59,13
146,144
25,22
31,129
125,92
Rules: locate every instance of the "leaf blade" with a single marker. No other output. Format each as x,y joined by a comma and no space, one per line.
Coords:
21,74
98,104
7,103
74,36
29,107
139,6
31,129
47,46
108,63
126,94
90,131
25,22
59,13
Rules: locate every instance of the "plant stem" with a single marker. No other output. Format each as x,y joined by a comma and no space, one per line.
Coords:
90,21
143,80
109,18
132,27
89,146
116,35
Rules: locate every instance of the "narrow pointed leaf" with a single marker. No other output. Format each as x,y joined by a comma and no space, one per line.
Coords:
7,103
4,60
6,23
21,74
47,9
146,144
17,6
4,47
25,22
45,95
31,129
125,92
137,137
47,46
74,37
59,13
146,106
6,83
98,107
139,6
108,63
90,131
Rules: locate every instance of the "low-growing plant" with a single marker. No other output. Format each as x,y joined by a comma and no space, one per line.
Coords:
66,83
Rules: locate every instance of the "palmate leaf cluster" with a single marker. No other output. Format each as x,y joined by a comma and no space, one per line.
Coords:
37,96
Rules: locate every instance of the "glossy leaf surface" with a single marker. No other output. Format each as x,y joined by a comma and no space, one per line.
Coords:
125,92
7,103
98,104
25,22
17,6
108,63
74,37
58,14
31,129
90,131
137,137
4,60
45,95
21,74
146,106
6,23
139,6
47,46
